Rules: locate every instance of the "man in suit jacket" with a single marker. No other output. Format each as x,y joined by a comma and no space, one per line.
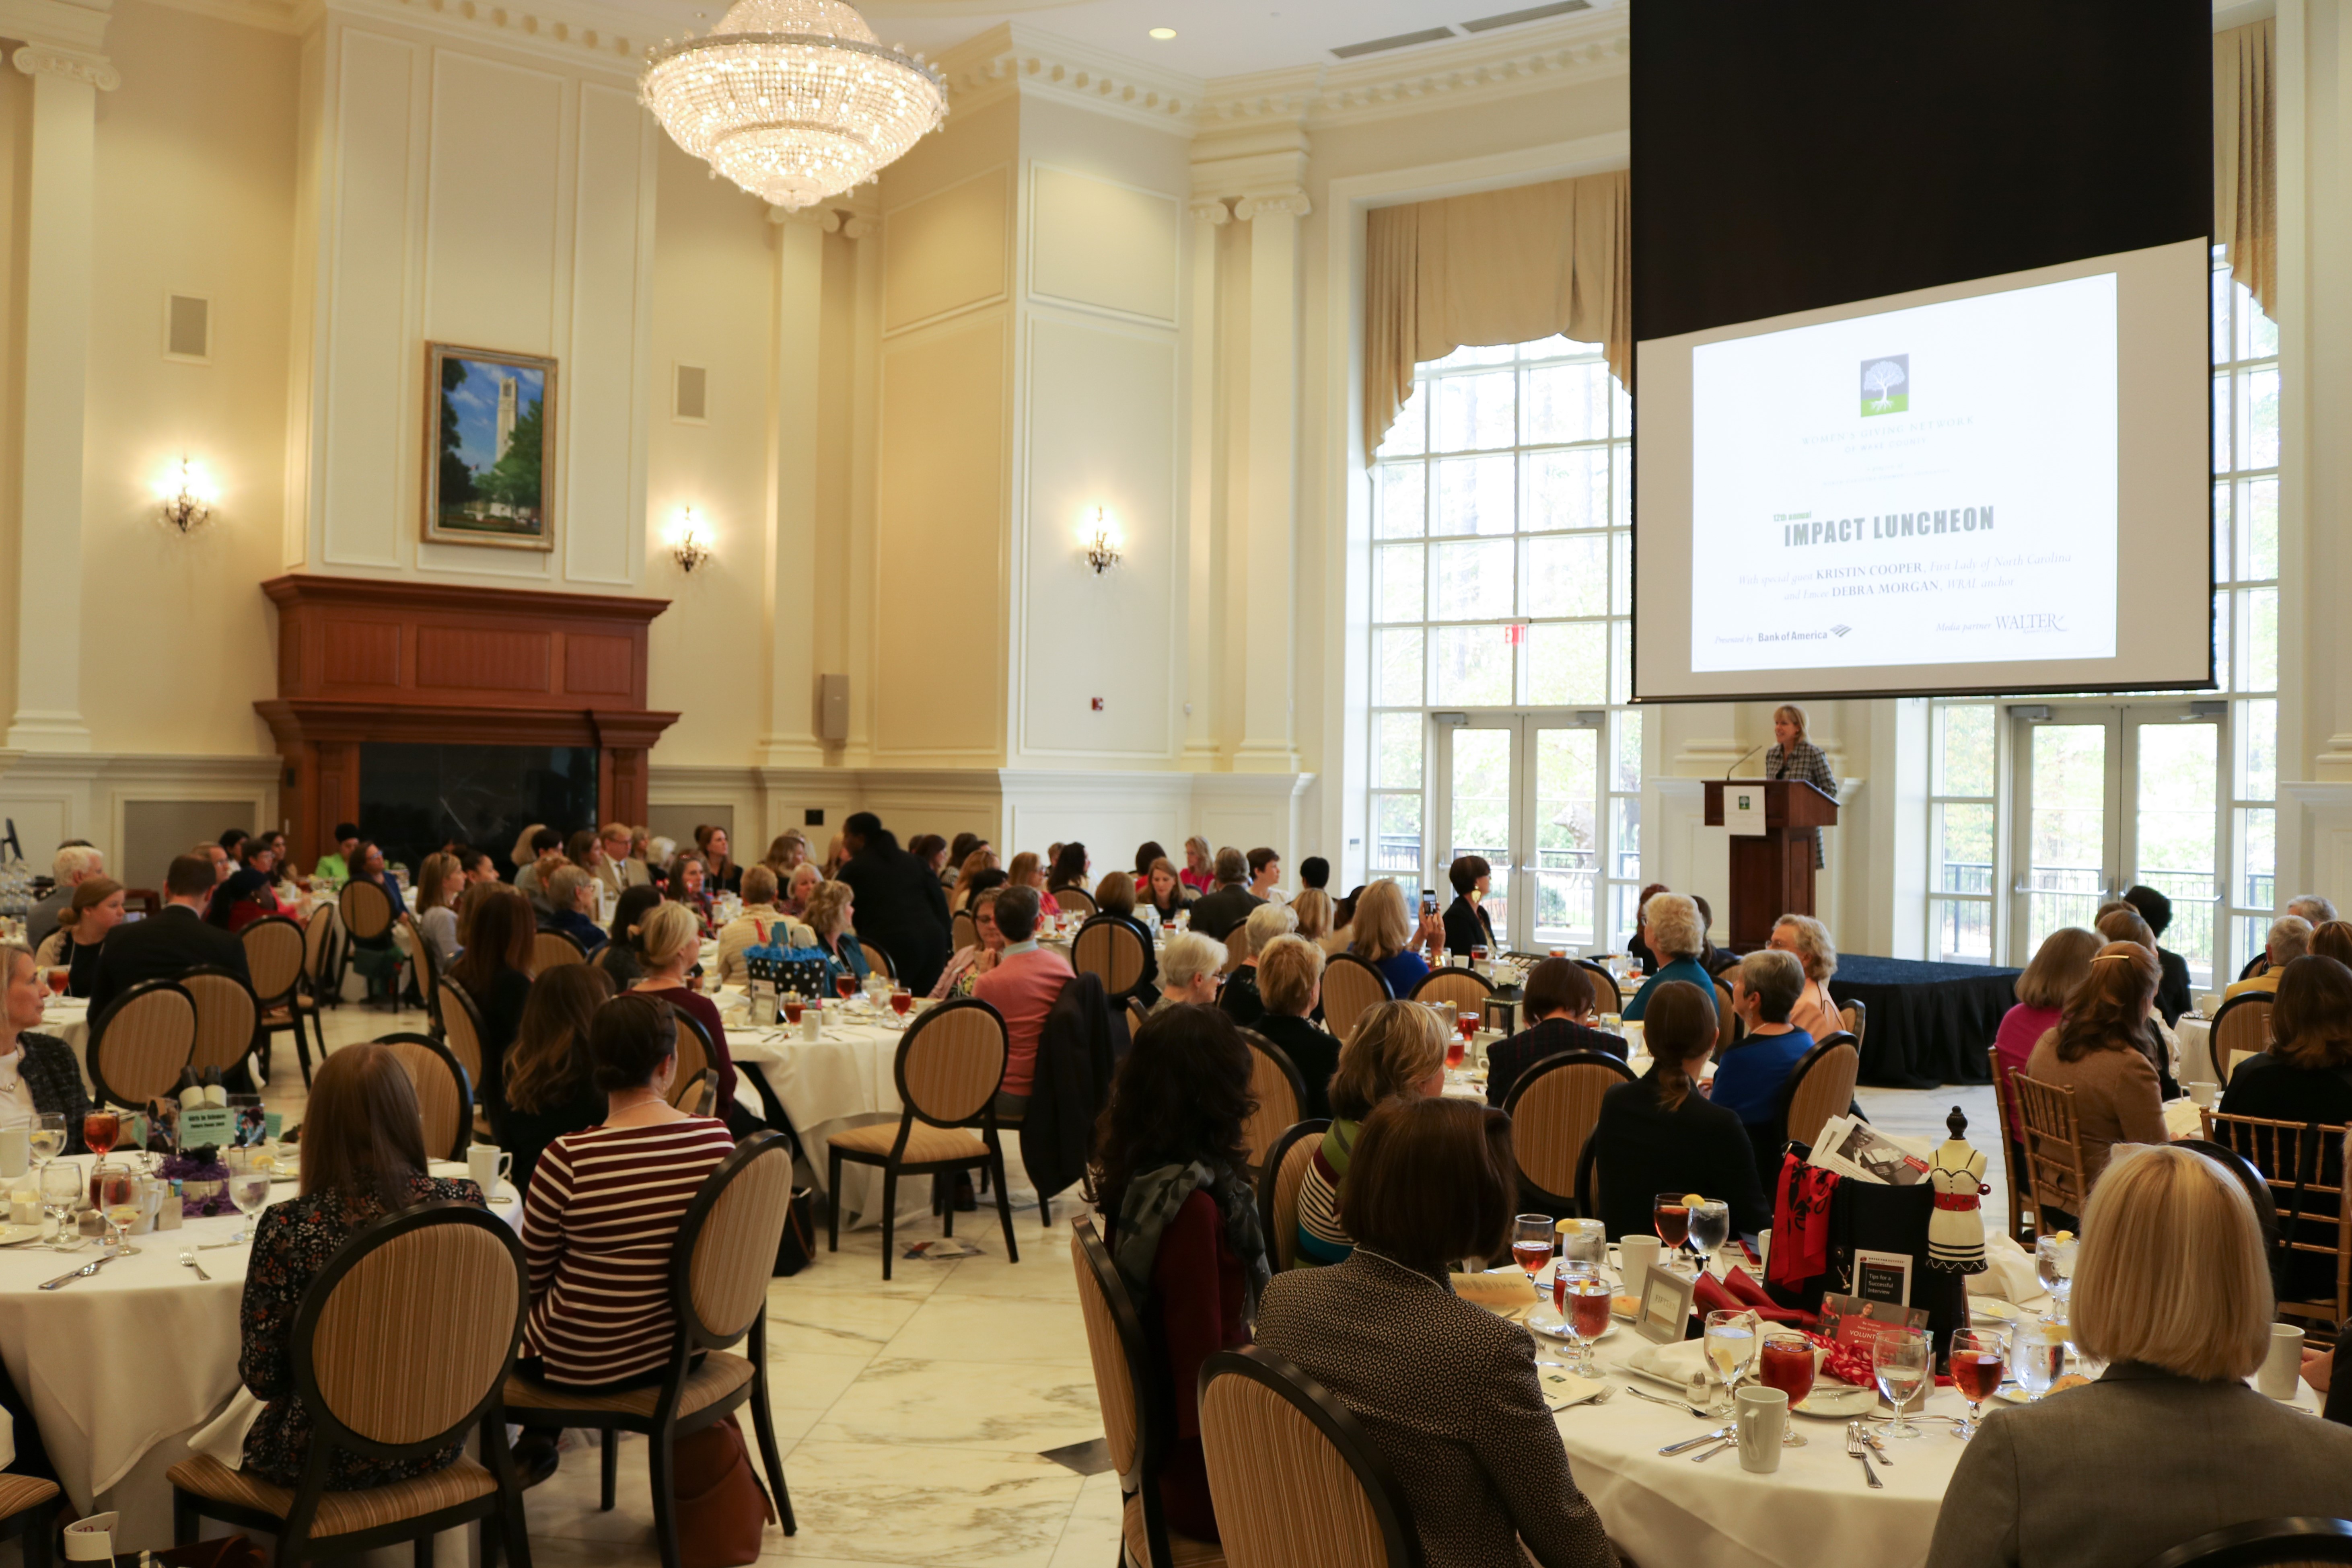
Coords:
1215,914
174,942
614,868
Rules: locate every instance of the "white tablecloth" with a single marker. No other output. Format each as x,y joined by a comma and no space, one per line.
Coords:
2196,1037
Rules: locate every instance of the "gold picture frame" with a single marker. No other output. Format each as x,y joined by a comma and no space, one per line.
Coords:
489,449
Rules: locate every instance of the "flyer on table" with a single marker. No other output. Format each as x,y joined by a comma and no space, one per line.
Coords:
1928,485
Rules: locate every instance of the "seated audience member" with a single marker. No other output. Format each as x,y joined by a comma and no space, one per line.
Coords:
545,848
1239,995
2305,1077
1676,939
439,884
1200,867
335,867
2172,1291
362,1158
1385,937
1747,1079
2098,1051
614,867
379,956
1447,1391
1714,960
1467,924
967,964
83,925
2290,938
1313,909
1021,986
250,894
1638,948
1290,983
1661,1133
1071,868
1215,914
1025,870
585,849
1397,1048
979,860
932,851
717,849
761,924
787,853
175,941
2173,997
39,1075
1342,937
604,1207
799,890
831,911
1115,894
1180,1221
1146,853
1558,997
836,855
2061,963
1315,872
2119,922
1160,894
549,1083
1264,876
1191,971
1809,939
2332,939
623,956
687,886
669,941
572,892
2309,907
494,970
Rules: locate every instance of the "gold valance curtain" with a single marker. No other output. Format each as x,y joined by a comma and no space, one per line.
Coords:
2245,156
1501,267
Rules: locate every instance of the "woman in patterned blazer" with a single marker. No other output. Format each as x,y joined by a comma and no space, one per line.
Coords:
1794,757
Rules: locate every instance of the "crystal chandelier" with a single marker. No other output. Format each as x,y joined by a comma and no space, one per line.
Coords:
793,99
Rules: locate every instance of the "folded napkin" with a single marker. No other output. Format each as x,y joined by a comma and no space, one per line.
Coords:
1676,1364
1562,1388
1745,1292
2009,1271
222,1436
1505,1293
2182,1118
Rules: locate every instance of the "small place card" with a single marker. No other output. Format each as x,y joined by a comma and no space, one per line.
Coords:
1665,1310
212,1125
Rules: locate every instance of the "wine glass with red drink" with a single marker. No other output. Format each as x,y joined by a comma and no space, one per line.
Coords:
100,1129
901,999
845,983
1671,1217
792,1005
1980,1356
1787,1363
1582,1294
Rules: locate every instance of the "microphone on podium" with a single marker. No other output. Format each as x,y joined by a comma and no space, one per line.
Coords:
1751,751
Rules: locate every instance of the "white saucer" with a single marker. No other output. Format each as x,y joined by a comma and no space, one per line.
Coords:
1836,1401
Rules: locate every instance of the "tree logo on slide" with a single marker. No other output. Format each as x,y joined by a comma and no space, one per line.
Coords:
1885,384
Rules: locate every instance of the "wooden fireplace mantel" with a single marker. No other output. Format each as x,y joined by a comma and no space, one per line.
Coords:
361,659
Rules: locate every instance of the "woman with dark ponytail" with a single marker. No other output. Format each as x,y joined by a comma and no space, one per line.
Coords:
1661,1133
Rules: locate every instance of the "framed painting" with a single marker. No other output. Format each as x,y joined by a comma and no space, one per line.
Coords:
489,457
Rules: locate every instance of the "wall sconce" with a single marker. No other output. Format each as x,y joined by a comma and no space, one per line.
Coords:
687,546
187,499
1102,550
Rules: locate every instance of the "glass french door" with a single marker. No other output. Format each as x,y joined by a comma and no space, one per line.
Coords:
1524,791
2113,796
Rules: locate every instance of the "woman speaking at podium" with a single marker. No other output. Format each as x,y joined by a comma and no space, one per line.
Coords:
1794,757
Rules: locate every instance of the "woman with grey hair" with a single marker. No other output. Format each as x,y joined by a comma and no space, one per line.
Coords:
1677,937
1809,939
1239,997
1188,971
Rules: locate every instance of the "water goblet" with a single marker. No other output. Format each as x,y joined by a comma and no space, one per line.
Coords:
1903,1360
1730,1351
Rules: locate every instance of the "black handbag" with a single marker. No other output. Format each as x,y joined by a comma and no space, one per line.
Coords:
796,1249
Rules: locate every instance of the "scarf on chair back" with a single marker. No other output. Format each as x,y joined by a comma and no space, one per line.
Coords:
1150,1202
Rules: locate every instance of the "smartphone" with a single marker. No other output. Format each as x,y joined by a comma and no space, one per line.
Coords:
1428,902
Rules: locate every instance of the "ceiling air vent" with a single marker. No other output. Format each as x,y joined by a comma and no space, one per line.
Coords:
1532,14
1402,41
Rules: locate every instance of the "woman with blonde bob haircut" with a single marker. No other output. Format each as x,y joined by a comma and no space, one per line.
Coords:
1809,939
1384,937
2172,1289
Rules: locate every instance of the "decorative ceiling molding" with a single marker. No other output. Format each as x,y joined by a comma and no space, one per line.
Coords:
1511,61
67,25
1014,58
580,33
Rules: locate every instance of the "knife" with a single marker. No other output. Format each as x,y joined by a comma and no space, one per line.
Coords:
92,1267
1718,1435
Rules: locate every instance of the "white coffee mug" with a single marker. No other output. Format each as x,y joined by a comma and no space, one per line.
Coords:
2203,1094
15,1150
2282,1369
489,1167
1762,1415
1639,1255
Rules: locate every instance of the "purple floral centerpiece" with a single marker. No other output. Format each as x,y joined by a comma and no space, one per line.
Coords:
203,1181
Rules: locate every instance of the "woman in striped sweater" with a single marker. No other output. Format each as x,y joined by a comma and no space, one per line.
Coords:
1398,1051
604,1207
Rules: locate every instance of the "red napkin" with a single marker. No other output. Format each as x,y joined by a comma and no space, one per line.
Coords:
1711,1295
1749,1294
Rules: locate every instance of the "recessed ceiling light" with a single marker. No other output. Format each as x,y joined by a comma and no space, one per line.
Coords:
1163,34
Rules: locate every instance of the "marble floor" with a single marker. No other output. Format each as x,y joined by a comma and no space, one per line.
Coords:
915,1415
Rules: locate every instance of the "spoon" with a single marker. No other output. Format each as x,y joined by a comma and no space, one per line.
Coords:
1671,1403
188,1259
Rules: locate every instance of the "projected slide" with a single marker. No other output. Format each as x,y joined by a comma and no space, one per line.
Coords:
1929,485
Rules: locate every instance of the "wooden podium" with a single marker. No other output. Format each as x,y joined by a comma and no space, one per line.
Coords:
1771,871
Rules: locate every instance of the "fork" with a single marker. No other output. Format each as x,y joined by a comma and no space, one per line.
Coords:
1861,1451
1671,1403
188,1258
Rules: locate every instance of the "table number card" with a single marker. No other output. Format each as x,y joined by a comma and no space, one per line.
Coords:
202,1124
1665,1307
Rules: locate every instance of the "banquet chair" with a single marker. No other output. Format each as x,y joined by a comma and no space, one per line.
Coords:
553,950
1351,987
226,1016
1726,1020
2264,1544
719,1270
2052,1141
878,959
2302,1164
1136,1013
694,1095
1237,948
445,1095
1112,949
950,1063
2241,1026
694,1053
1279,1089
276,955
963,931
323,942
461,1036
139,1042
1076,901
1820,1086
2257,1188
1553,1108
1855,1016
428,976
366,912
28,1513
1293,1475
1278,1182
1606,997
401,1346
2022,1217
1135,1428
1468,989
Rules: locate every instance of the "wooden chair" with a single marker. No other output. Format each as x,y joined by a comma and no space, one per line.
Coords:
2022,1214
1855,1016
1588,1176
275,952
1351,987
1726,1020
226,1018
553,950
1820,1086
693,1057
322,958
964,932
2052,1140
950,1063
1466,989
28,1514
719,1263
1114,950
1606,997
428,976
2257,1189
1292,1476
1136,1013
366,912
1136,1427
445,1095
2304,1542
878,960
2303,1165
1554,1107
401,1346
1237,948
462,1032
2243,1025
1279,1089
139,1042
1279,1179
1076,901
